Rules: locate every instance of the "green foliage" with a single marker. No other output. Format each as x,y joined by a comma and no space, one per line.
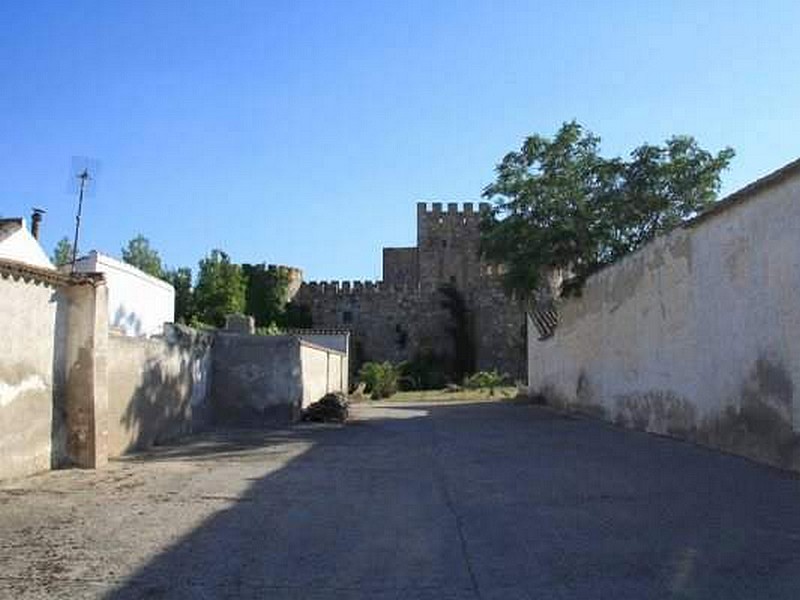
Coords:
181,280
460,330
560,205
298,316
267,298
266,294
271,329
62,253
139,254
425,371
220,289
485,380
381,379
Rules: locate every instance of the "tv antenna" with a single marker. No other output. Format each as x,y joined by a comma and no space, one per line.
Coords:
84,175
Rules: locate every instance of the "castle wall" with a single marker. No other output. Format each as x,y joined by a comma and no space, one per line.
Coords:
448,243
400,266
387,322
403,316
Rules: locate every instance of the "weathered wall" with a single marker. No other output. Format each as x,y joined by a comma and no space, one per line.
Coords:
335,339
28,321
696,334
85,370
264,380
323,371
52,369
448,244
160,388
387,322
256,379
400,266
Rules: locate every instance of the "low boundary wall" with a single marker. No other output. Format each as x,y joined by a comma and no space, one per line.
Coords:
696,334
159,387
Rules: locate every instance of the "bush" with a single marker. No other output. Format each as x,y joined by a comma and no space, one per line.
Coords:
381,379
423,372
485,380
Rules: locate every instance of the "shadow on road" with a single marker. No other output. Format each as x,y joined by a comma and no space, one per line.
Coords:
483,501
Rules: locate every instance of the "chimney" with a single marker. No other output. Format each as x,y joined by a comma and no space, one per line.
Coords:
36,220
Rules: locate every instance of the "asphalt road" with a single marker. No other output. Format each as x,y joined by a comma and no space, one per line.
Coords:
475,501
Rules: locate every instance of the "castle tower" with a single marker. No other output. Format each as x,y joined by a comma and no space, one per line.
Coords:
448,242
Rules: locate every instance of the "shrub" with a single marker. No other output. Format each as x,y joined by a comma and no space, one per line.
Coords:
485,380
425,371
381,379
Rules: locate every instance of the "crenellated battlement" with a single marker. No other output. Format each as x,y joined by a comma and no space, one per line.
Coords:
452,208
332,288
286,268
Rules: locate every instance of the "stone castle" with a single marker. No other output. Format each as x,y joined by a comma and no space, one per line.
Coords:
405,316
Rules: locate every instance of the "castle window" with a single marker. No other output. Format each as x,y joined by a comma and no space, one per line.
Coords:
444,243
401,338
347,317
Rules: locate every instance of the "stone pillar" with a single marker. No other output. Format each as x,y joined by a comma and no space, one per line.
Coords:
86,394
240,324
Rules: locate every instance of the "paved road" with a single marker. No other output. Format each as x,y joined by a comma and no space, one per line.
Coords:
480,501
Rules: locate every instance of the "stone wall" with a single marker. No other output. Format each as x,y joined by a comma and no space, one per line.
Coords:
448,244
400,266
695,335
161,388
402,316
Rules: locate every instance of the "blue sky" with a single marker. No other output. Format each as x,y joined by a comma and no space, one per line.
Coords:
303,133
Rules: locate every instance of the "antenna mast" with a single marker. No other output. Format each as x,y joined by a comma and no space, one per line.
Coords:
83,178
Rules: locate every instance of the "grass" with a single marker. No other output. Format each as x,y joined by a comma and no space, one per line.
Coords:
500,393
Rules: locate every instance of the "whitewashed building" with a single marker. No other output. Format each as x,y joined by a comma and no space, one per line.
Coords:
138,304
19,244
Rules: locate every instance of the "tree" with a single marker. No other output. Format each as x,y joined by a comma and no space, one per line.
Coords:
220,289
560,206
139,254
62,254
267,293
181,280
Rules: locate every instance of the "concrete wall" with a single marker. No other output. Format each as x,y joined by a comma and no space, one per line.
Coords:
28,321
256,379
323,370
263,380
160,388
333,339
52,369
85,369
138,304
696,335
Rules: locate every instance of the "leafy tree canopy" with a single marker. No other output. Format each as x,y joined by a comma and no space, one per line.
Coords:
139,254
559,205
220,289
181,280
62,253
